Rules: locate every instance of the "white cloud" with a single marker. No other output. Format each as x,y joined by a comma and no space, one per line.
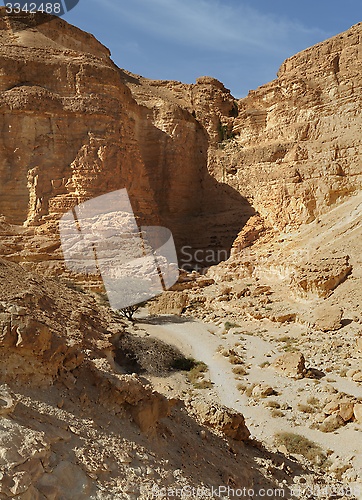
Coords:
213,25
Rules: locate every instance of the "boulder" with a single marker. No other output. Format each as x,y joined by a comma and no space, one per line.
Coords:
321,276
225,420
332,423
262,391
290,364
169,303
328,318
357,411
346,411
351,372
331,407
357,377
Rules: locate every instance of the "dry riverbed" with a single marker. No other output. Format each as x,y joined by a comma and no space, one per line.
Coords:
240,368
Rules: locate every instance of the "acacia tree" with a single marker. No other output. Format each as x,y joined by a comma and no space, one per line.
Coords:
128,312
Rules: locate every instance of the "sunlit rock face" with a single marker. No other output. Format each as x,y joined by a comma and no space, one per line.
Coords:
295,146
71,130
192,158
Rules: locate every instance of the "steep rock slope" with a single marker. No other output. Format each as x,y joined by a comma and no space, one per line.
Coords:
74,424
71,130
192,157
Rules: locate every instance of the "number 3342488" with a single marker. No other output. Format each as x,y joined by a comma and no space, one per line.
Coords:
48,8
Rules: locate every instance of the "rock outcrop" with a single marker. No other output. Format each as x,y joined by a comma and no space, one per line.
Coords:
221,174
224,420
74,425
295,146
290,364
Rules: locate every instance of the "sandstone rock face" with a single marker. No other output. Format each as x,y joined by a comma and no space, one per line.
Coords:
320,277
296,148
253,229
72,130
191,156
74,126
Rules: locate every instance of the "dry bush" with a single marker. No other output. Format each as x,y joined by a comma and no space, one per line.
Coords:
300,445
235,359
275,412
272,404
305,408
312,400
264,364
239,370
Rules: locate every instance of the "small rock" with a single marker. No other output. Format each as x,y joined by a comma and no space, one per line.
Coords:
357,411
319,418
346,411
351,372
359,344
262,391
332,423
357,377
331,407
290,364
338,468
7,403
16,310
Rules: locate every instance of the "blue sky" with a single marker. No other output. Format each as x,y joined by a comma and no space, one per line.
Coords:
240,42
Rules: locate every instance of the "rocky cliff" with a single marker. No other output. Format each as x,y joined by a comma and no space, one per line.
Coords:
223,175
294,148
72,130
192,158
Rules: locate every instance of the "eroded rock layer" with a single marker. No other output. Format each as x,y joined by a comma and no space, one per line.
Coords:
295,147
192,158
71,130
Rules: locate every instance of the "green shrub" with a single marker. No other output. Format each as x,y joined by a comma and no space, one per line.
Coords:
184,364
228,325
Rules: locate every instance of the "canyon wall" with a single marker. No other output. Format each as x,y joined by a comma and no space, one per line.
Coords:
194,159
294,149
71,130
